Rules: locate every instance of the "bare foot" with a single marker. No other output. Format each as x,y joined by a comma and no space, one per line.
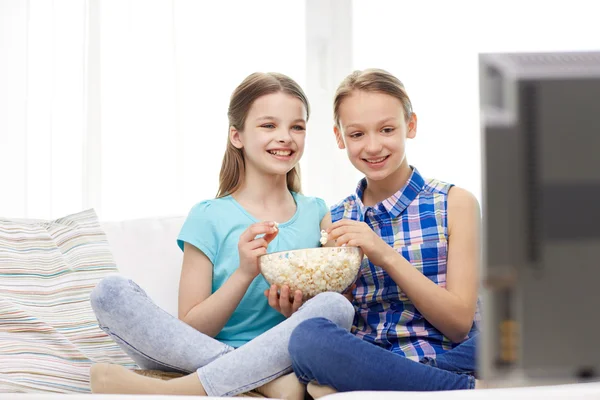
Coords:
479,384
286,387
317,391
116,379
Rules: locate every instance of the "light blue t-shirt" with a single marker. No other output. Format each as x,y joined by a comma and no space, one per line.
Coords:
214,227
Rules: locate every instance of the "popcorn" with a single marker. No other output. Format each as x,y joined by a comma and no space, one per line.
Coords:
324,238
276,225
312,271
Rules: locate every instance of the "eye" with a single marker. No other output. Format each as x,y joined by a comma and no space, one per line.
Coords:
298,128
388,130
268,126
355,135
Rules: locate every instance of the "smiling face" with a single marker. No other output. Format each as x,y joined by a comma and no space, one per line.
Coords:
273,136
373,129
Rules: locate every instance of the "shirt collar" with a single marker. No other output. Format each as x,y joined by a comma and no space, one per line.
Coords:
396,203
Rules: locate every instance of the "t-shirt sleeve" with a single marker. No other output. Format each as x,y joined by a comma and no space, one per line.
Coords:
322,208
199,230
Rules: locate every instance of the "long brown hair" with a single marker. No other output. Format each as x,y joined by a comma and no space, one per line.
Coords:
254,86
371,80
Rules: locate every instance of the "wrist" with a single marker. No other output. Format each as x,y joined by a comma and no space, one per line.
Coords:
243,276
390,258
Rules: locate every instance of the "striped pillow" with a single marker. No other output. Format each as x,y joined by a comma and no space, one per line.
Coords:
49,335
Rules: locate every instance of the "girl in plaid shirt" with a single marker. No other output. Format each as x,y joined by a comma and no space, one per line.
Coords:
416,300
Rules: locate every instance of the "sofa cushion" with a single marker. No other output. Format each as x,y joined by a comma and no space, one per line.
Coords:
49,335
146,251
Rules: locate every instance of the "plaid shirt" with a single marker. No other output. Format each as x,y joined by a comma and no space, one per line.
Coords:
414,222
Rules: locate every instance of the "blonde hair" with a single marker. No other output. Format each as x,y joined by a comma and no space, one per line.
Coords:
371,80
254,86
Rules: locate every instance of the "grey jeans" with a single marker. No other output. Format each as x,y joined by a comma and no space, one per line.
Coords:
155,339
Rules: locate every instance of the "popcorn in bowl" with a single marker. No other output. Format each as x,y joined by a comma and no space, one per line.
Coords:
312,271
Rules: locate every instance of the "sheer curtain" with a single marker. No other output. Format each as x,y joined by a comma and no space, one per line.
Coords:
121,105
42,107
168,69
433,48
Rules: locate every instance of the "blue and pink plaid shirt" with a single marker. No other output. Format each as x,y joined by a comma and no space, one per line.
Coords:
414,222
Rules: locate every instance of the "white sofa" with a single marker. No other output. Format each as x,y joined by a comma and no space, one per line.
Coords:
145,250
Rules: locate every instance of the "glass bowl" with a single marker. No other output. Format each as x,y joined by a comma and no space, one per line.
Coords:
312,271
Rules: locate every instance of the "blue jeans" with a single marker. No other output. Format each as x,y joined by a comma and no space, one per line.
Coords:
156,340
323,352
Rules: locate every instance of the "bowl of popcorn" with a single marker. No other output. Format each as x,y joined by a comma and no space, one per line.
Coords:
312,271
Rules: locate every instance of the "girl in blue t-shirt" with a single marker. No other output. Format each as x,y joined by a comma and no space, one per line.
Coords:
228,333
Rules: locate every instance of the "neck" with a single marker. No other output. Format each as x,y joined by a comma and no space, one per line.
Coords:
379,190
264,189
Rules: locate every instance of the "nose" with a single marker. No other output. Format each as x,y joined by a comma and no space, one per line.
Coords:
283,136
373,145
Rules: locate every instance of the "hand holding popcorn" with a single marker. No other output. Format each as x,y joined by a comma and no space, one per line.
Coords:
250,247
348,232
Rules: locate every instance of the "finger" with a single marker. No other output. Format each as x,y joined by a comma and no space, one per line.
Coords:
284,301
336,232
270,236
257,229
349,293
349,296
297,301
346,229
344,239
351,288
266,293
340,223
261,251
257,243
273,298
353,243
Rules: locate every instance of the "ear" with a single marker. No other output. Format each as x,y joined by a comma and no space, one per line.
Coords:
234,138
412,127
338,137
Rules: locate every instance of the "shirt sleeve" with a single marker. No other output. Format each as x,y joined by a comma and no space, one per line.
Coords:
322,207
200,230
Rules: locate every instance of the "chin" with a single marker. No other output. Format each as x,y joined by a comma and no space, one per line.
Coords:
370,174
279,170
377,176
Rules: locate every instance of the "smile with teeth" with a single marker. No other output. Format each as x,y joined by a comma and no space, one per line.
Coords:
280,152
375,160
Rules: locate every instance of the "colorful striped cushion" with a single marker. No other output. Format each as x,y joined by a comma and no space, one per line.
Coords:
49,335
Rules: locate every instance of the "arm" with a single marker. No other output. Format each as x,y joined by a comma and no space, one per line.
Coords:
197,307
209,313
325,225
451,309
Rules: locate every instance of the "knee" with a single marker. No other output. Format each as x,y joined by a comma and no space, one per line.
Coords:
335,308
109,293
304,341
